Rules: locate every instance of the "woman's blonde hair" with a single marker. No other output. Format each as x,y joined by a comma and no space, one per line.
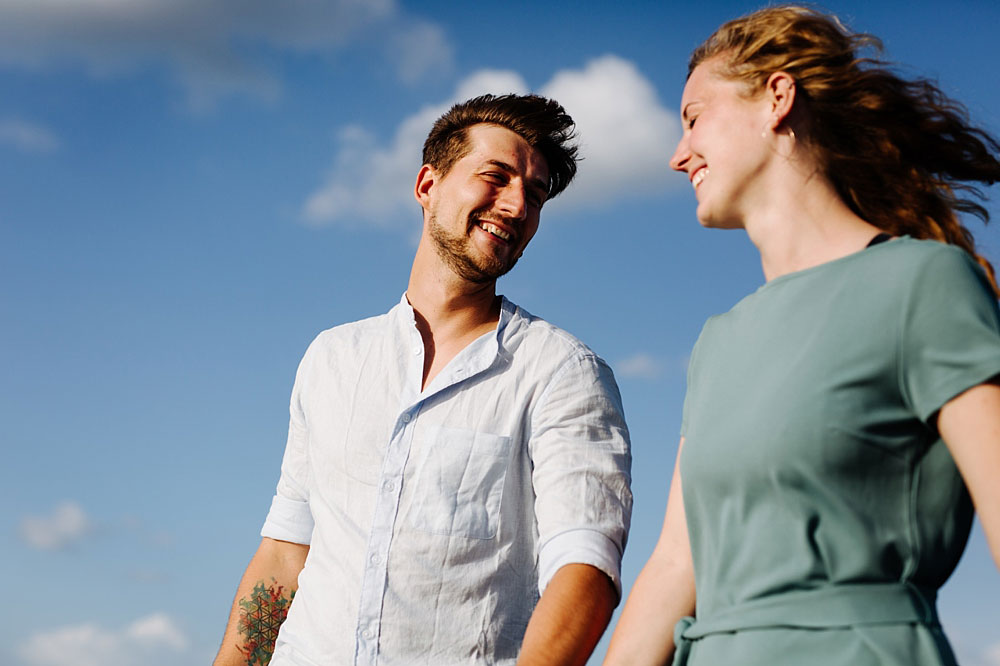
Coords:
899,152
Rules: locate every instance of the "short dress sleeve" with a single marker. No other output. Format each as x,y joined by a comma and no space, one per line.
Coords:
950,333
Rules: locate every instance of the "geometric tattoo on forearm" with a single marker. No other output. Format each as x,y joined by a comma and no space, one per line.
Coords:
260,617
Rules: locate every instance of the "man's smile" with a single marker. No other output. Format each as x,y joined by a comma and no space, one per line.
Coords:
497,230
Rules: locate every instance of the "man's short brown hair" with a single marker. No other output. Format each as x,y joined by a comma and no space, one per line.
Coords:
542,122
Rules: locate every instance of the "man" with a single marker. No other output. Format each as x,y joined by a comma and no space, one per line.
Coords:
451,460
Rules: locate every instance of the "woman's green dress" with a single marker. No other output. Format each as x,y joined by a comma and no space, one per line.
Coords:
824,510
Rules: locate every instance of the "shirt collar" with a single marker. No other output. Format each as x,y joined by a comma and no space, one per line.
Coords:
479,355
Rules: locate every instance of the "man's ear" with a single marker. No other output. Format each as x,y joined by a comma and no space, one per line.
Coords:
426,179
780,92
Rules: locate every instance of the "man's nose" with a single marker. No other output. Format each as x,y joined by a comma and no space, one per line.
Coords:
513,201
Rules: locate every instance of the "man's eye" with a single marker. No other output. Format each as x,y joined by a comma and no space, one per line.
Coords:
691,121
537,197
495,177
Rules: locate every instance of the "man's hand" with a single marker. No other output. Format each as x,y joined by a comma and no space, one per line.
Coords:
570,617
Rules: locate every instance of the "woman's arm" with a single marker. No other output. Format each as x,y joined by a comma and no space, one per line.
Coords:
970,426
663,593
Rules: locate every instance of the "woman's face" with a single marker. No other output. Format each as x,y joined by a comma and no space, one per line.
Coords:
722,149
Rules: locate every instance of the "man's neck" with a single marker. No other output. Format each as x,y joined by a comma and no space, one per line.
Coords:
450,313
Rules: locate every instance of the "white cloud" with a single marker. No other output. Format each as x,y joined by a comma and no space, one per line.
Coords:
421,48
66,525
374,184
212,47
992,655
152,640
626,135
626,138
27,137
639,366
157,629
971,650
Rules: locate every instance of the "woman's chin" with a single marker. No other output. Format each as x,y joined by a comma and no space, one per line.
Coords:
714,222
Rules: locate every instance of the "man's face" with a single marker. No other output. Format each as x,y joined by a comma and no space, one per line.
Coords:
485,210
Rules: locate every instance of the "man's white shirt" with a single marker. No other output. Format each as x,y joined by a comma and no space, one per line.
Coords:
435,518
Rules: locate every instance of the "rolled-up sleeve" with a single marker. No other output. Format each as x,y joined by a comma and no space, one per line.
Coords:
581,470
290,518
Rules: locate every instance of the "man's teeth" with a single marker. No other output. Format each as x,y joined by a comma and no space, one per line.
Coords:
698,177
495,230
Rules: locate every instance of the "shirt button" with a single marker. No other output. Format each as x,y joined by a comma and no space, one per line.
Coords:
416,351
376,558
367,634
388,486
406,418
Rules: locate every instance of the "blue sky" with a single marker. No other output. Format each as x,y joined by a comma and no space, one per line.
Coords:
191,190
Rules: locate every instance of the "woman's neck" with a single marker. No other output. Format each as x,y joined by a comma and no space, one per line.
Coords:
804,224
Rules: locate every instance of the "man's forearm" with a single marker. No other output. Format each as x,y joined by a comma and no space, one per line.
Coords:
261,604
570,617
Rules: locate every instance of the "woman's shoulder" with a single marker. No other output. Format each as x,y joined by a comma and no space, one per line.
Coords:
920,252
929,260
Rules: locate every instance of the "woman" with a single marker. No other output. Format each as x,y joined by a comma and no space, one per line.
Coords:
835,417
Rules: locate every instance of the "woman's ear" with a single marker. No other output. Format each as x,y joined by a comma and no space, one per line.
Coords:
780,92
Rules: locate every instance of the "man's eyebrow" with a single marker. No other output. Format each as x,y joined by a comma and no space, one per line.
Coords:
536,183
501,165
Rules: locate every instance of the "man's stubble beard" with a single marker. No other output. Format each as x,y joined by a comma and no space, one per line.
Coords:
456,251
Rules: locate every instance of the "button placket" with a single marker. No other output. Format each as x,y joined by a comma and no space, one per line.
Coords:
386,507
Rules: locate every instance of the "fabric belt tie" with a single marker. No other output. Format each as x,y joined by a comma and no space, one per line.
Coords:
837,606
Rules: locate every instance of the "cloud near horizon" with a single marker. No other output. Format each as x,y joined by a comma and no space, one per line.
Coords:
624,132
66,525
992,655
213,49
639,366
154,640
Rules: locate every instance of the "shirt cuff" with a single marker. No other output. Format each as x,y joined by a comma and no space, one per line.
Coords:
579,546
288,520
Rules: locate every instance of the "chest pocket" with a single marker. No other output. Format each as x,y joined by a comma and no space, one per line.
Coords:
458,482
